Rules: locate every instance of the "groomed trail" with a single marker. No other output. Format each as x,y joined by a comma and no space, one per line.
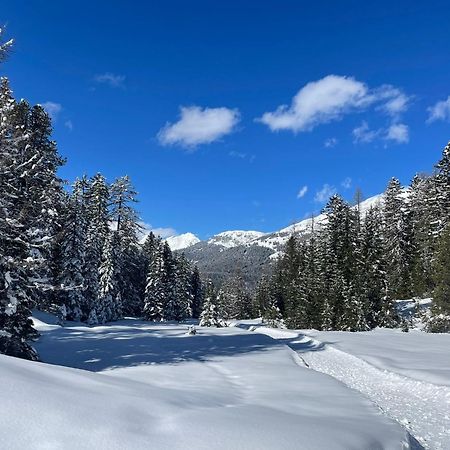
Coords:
422,408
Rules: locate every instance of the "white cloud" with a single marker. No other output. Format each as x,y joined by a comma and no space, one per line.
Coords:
439,111
53,109
318,102
330,142
110,79
363,133
302,192
329,99
325,193
199,126
398,132
395,101
68,124
347,183
163,232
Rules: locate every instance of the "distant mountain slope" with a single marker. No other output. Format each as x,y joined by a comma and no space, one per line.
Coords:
182,241
251,253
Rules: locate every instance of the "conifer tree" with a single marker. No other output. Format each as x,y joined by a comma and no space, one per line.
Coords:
155,290
209,316
440,321
398,241
197,293
71,279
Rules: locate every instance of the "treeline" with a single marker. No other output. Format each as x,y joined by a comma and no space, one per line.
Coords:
74,252
347,275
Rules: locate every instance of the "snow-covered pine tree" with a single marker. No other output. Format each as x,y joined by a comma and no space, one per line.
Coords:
374,266
71,281
263,296
209,316
97,233
123,197
196,293
440,320
16,328
398,241
109,294
443,187
183,288
234,299
155,290
313,283
41,195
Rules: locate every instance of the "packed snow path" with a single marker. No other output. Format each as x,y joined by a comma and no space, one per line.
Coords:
423,408
145,385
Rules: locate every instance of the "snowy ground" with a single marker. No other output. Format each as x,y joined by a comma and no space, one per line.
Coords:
135,385
407,375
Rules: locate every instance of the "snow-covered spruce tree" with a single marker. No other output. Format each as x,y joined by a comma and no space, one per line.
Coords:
183,288
71,280
443,186
155,290
125,217
312,283
374,268
97,196
426,225
196,293
209,316
263,296
290,294
41,195
440,320
398,241
109,293
345,290
16,329
233,299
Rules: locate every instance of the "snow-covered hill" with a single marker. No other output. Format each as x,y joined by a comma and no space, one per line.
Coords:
251,252
235,238
182,241
139,385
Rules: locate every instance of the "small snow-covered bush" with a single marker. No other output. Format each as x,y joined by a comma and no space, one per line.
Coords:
439,323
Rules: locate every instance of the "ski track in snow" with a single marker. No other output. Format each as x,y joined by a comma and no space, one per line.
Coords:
422,408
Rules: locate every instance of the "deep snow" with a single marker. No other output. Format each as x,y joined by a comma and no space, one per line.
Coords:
407,375
146,385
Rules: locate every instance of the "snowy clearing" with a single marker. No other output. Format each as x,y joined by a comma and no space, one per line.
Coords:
395,370
144,384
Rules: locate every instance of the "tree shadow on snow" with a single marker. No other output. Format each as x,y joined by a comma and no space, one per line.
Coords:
131,343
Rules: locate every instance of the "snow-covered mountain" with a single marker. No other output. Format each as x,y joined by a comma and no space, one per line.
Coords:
234,238
182,241
252,252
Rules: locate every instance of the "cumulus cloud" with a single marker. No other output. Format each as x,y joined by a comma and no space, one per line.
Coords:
199,126
394,100
302,192
325,193
69,125
439,111
363,133
111,79
329,99
330,142
398,132
53,109
318,102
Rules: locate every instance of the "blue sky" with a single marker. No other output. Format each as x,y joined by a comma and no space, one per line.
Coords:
186,98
